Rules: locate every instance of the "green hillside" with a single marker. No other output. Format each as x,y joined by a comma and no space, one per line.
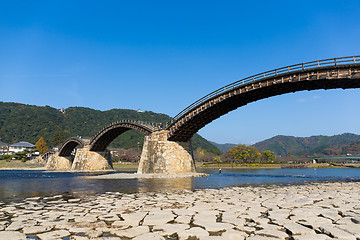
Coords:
322,145
223,147
20,122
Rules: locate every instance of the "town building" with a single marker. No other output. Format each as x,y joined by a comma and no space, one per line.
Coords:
56,148
3,147
20,147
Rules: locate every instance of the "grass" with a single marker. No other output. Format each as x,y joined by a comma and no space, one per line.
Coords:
16,164
273,165
238,165
125,166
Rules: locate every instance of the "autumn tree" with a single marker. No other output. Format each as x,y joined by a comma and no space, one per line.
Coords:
268,156
244,153
41,145
201,155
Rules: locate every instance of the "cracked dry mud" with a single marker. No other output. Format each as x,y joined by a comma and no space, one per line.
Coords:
312,211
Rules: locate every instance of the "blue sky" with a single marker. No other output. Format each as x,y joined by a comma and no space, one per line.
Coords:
163,55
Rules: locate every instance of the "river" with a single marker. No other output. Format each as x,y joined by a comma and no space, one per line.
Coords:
16,185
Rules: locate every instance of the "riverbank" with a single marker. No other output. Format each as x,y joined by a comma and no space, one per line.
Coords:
19,165
131,167
274,165
127,167
311,211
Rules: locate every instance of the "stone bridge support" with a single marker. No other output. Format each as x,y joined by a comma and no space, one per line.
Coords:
56,162
89,160
85,160
159,155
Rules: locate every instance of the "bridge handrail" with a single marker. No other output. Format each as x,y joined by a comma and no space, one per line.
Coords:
151,125
271,73
48,152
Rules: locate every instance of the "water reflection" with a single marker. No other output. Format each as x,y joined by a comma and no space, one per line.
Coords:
18,185
164,184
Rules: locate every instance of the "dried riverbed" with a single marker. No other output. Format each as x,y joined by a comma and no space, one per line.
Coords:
312,211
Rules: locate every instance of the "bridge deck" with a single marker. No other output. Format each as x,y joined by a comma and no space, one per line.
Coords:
323,74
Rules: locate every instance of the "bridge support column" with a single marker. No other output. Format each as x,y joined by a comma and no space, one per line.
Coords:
160,155
89,160
56,162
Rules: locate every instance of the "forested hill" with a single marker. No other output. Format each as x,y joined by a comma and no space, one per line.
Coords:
223,147
20,122
321,145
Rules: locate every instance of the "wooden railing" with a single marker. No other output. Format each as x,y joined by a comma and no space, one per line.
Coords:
149,125
272,73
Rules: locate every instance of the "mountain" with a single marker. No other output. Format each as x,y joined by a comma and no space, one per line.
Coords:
352,149
223,147
322,145
21,122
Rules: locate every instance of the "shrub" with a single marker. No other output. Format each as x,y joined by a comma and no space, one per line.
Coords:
6,156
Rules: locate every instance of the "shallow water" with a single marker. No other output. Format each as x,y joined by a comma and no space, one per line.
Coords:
18,184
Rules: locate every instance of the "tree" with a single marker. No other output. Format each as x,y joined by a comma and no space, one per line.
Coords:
41,145
201,155
244,153
59,137
268,155
217,159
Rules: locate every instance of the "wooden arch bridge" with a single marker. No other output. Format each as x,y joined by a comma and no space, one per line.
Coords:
321,74
105,136
70,144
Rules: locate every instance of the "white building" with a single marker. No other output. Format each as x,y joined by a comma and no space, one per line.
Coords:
3,147
21,146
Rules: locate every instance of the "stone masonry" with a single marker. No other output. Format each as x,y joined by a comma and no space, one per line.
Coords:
85,160
89,160
58,163
159,155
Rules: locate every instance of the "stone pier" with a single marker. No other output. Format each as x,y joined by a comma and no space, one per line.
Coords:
89,160
159,155
84,160
56,162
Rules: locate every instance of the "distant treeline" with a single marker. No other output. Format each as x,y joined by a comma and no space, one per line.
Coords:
336,145
20,122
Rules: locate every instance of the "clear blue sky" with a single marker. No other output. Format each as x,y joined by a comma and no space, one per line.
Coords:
163,55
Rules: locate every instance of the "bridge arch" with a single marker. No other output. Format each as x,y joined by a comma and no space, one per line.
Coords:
102,140
69,145
322,74
45,156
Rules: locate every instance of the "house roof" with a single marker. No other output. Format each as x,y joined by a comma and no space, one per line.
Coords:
22,144
2,144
